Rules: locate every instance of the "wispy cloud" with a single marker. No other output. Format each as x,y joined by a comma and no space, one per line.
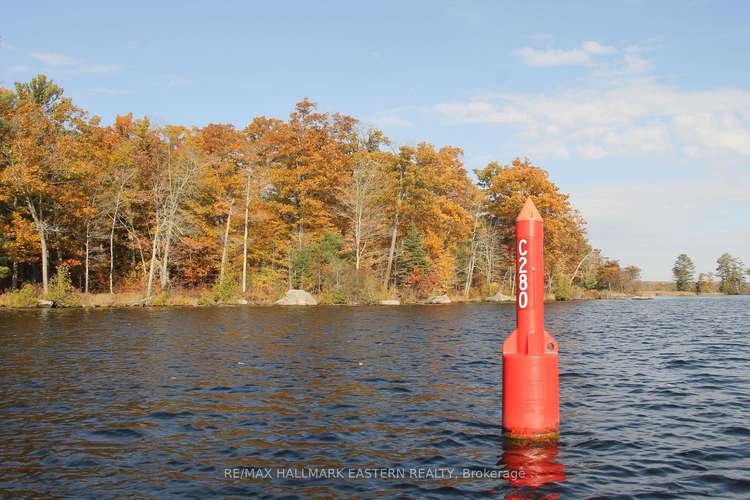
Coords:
623,111
389,118
603,60
634,117
580,56
54,59
100,68
73,64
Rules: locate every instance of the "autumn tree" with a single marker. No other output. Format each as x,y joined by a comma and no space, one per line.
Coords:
218,202
43,124
360,201
507,187
173,184
493,261
610,276
395,184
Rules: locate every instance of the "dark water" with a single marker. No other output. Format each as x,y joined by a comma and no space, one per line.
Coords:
655,400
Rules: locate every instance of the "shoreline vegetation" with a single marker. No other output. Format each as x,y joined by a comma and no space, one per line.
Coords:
197,298
100,215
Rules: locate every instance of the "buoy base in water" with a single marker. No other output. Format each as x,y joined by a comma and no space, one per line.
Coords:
531,394
522,439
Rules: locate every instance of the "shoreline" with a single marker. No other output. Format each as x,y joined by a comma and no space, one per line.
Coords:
129,300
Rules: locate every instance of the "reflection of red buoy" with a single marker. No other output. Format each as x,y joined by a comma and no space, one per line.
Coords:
533,465
531,396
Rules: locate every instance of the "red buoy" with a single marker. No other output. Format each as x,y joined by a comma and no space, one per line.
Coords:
531,392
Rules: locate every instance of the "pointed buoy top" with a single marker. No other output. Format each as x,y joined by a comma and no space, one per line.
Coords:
529,212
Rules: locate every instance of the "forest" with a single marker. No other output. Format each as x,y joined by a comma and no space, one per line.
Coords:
316,201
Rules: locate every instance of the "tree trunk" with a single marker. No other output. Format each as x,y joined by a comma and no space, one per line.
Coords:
152,266
244,238
39,223
358,242
14,277
394,234
473,258
469,274
578,267
391,253
86,272
290,268
164,274
112,243
226,242
45,263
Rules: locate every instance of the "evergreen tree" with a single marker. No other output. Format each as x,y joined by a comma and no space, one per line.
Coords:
413,256
730,271
683,272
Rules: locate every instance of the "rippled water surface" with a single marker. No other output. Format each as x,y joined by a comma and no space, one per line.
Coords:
159,402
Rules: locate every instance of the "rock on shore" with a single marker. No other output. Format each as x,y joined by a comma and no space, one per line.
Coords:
297,298
499,297
390,302
440,299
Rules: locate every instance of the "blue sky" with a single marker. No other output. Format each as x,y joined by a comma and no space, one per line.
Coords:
640,110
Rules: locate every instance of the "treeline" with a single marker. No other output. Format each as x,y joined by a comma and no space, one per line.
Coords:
730,271
313,202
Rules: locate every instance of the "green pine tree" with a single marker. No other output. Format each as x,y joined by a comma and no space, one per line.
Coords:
683,272
731,272
413,255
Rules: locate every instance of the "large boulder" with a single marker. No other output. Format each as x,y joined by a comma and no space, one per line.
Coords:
45,303
440,299
500,297
297,298
390,302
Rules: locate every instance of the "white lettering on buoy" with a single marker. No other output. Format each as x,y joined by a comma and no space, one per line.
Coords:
523,277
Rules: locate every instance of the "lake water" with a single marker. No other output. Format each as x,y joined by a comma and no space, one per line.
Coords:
655,400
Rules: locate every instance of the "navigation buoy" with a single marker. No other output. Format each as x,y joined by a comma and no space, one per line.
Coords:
531,388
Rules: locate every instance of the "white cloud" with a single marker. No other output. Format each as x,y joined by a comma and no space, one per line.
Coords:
596,48
54,59
635,64
386,119
73,64
725,131
631,118
689,150
604,60
581,56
